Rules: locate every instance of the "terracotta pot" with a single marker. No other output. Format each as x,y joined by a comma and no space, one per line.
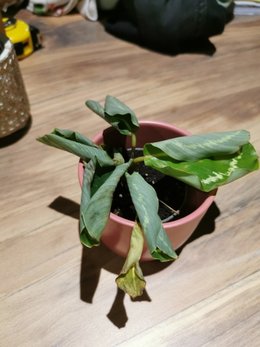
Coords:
116,235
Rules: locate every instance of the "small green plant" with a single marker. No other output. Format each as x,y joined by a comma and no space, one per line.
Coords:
203,161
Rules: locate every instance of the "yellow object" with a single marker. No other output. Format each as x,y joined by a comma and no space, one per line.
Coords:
24,37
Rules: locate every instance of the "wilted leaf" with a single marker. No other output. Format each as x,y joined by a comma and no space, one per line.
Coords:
131,278
101,175
77,144
118,158
96,108
96,213
190,148
208,174
146,205
74,136
89,170
117,114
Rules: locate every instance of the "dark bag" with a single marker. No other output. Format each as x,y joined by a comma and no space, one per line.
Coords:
169,25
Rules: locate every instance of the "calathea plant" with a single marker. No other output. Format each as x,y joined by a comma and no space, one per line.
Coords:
204,162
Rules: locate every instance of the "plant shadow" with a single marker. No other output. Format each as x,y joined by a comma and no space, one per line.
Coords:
92,262
95,259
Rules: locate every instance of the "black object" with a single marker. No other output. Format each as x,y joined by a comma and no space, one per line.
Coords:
36,37
171,26
3,40
36,41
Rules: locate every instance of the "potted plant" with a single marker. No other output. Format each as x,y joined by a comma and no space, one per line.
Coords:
146,186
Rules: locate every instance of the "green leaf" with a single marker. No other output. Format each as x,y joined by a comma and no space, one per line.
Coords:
74,136
101,175
77,144
103,172
95,214
89,171
131,279
190,148
146,204
96,108
118,158
208,174
117,114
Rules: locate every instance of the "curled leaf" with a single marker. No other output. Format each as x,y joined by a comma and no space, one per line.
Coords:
77,144
209,173
96,212
117,114
131,278
89,171
195,147
146,205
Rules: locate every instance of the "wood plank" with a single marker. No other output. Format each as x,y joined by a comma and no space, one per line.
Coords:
55,293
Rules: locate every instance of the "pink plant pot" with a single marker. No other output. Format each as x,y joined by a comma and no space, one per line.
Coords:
117,233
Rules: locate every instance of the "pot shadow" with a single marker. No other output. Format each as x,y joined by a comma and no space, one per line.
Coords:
206,226
16,136
95,259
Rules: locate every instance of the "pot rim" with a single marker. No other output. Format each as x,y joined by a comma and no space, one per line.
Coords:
191,216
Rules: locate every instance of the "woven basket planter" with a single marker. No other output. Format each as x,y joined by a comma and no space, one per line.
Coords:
14,104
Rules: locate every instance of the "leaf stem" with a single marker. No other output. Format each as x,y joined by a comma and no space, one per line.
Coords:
140,159
133,145
133,140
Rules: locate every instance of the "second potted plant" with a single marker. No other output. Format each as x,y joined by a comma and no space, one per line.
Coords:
124,171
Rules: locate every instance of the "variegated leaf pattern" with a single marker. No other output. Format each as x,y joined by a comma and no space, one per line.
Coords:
195,147
204,162
209,174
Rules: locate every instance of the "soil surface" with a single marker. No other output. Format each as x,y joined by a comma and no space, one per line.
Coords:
171,194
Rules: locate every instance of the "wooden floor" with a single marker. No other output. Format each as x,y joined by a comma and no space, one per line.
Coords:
55,294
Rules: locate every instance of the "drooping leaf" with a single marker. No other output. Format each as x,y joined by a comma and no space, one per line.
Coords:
125,118
195,147
77,144
117,114
89,171
103,172
131,279
74,136
146,205
96,213
96,108
101,175
118,158
208,174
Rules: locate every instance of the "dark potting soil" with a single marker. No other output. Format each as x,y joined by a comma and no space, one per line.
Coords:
170,192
